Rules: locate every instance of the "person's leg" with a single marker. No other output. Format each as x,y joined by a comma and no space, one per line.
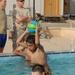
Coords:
14,38
16,33
14,45
3,38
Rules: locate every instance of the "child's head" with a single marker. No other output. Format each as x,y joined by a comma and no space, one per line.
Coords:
38,70
30,41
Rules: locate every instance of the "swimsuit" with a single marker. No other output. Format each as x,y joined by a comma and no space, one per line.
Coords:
3,38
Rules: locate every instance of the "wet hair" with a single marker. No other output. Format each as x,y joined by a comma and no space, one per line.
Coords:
38,68
31,39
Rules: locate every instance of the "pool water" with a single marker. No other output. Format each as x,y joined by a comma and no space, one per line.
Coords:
60,63
63,66
14,65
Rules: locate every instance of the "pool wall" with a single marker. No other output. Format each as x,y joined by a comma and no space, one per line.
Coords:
53,55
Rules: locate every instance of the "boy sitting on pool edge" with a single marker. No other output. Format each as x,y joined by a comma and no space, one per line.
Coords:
34,52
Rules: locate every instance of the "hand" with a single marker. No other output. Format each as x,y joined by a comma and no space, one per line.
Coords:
29,15
18,21
29,18
38,28
26,31
17,16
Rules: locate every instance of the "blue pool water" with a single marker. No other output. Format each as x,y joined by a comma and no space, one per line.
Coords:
61,63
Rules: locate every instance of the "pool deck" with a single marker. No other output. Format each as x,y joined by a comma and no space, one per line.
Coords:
53,44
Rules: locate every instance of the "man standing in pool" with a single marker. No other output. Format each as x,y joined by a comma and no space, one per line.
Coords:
3,25
34,52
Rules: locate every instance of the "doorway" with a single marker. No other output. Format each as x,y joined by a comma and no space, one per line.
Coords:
51,7
66,6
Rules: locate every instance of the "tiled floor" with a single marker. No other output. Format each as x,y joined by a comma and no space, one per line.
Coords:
53,44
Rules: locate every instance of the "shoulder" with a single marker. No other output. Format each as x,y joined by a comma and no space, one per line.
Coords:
39,46
26,9
16,9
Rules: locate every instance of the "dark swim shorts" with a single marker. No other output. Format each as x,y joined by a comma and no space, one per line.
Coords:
3,38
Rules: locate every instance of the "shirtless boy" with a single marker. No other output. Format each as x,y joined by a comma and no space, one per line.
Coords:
33,50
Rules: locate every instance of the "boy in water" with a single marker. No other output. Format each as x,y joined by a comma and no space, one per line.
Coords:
38,70
34,52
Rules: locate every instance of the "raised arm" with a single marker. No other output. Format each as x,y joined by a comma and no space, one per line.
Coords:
21,37
37,39
17,51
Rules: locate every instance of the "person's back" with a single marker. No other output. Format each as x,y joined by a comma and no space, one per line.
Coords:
38,70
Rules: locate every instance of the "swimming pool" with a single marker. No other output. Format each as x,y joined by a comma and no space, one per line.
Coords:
61,63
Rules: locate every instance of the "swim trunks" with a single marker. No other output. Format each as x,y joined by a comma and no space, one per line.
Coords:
3,38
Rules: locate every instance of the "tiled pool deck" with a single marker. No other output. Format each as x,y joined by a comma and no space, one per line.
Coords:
55,44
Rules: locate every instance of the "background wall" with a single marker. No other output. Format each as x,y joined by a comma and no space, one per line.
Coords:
10,3
39,6
61,7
